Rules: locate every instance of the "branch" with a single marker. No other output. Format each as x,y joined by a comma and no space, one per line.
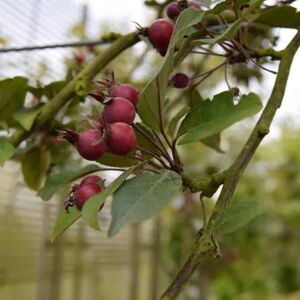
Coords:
275,55
260,130
208,186
89,72
205,246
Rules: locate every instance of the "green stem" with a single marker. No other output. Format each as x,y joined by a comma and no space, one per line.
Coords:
259,132
208,186
89,72
206,246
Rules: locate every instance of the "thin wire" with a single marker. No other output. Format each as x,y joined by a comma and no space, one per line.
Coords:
52,46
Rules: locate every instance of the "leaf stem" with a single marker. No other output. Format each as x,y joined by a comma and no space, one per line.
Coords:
150,140
152,154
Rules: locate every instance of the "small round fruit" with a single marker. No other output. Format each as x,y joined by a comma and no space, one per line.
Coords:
120,138
160,33
79,58
84,192
173,10
180,80
90,179
90,144
118,110
126,91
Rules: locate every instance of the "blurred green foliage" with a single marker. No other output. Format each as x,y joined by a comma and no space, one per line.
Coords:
260,260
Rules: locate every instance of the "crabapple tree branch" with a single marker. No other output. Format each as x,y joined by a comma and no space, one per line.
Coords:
89,72
206,246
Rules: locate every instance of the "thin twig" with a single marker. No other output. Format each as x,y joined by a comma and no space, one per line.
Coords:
152,154
161,122
208,53
209,71
150,140
163,146
226,77
245,53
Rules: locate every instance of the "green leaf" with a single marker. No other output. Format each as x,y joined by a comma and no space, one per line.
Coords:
7,150
176,118
280,16
221,37
35,164
213,142
3,125
238,215
148,106
141,140
143,196
57,180
211,117
12,96
114,160
91,207
220,7
64,221
53,88
27,116
196,98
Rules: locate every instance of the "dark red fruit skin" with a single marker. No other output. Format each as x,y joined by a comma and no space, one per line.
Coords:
118,110
90,144
126,91
79,58
120,138
98,96
84,192
162,52
173,10
160,33
91,179
180,80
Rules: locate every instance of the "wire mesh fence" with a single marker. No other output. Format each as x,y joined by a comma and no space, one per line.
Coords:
84,264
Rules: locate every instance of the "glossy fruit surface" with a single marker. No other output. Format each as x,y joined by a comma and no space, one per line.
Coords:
120,138
173,10
90,144
126,91
180,80
84,192
118,110
91,179
160,33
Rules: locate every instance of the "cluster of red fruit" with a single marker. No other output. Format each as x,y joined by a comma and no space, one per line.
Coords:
113,130
161,30
80,193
